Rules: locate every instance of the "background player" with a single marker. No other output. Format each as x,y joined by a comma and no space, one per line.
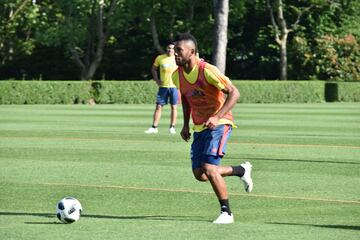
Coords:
167,90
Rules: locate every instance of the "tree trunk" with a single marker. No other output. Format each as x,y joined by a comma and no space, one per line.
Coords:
281,33
283,60
221,12
96,38
155,35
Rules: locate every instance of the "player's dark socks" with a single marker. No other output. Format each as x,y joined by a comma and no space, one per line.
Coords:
153,126
224,205
172,126
238,171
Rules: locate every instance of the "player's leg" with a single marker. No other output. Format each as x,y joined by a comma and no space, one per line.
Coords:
217,181
211,169
157,115
212,173
220,136
205,146
160,102
207,167
173,117
173,95
156,119
243,171
224,171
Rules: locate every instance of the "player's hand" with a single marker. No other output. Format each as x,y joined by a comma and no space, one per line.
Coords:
212,122
158,82
185,133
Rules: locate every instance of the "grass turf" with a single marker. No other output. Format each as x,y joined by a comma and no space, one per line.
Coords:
306,160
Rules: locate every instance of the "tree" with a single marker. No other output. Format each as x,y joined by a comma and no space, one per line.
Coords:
281,30
89,58
167,13
83,27
221,13
323,45
326,46
17,22
170,11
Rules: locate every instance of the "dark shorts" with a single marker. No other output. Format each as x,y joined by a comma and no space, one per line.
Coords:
209,146
166,94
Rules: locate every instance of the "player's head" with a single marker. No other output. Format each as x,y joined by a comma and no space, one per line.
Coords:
170,49
185,48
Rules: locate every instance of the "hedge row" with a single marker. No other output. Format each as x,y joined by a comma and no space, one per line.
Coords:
108,92
47,92
281,92
348,92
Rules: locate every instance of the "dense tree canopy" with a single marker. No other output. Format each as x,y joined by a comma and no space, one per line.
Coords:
118,39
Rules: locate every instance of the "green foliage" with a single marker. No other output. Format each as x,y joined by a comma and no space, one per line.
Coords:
129,49
44,92
128,92
281,92
327,46
139,92
337,58
18,20
348,92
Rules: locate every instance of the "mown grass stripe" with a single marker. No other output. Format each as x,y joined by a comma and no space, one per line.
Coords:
200,192
280,145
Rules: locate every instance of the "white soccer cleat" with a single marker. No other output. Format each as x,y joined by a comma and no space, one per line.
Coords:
248,183
172,130
152,130
224,218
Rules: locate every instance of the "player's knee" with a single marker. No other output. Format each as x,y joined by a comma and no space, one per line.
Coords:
158,107
210,171
201,177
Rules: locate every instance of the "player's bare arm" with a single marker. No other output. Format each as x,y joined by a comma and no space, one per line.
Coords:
185,132
154,71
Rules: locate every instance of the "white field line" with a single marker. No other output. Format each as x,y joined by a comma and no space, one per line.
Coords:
200,192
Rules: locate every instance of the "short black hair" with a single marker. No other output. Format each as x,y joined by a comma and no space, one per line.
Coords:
186,37
167,43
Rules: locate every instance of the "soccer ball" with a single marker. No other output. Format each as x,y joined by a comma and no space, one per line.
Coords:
68,210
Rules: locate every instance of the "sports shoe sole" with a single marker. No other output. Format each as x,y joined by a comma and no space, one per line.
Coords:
247,180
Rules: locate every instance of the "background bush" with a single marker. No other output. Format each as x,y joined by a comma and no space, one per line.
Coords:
44,92
280,91
136,92
348,92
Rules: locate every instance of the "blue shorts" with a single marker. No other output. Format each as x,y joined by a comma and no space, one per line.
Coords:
164,94
209,146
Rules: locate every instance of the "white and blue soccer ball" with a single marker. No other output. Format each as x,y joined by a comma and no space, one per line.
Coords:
68,210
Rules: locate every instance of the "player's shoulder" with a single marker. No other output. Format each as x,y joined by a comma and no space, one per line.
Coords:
213,74
164,55
176,72
160,57
210,67
176,78
211,71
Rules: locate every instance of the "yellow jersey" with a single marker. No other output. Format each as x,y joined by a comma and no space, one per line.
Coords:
167,66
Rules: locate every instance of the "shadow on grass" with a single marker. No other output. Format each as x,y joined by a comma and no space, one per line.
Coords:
293,160
336,226
149,217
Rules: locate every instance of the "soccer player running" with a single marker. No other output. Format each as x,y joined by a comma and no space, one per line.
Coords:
167,89
208,96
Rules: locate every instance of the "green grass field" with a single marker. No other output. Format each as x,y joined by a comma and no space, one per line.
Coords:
306,171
